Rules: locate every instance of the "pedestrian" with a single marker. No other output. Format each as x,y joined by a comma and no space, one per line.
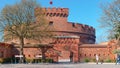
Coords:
117,59
97,59
101,61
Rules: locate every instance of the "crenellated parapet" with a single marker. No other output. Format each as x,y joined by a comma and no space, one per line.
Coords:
83,28
57,12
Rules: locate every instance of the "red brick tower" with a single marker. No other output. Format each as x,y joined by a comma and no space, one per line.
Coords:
57,18
68,35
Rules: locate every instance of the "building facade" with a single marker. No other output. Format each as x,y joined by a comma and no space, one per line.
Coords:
72,42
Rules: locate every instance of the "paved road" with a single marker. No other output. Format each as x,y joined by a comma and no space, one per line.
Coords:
81,65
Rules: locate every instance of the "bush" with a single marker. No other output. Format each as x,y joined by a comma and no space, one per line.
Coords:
101,60
41,61
86,60
7,60
93,60
1,60
49,60
28,60
108,60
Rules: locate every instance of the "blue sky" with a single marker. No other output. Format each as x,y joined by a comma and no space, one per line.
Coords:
80,11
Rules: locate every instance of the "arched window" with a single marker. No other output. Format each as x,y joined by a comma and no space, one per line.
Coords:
90,54
28,55
94,54
34,55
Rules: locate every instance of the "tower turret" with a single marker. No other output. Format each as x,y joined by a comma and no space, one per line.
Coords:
55,14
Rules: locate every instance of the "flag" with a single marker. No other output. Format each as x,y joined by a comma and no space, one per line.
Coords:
51,2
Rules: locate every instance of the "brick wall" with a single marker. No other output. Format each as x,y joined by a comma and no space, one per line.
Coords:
90,51
5,50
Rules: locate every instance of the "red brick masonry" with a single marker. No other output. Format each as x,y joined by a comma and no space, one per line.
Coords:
73,42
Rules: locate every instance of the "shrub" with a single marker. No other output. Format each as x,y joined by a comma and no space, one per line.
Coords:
49,60
101,60
8,60
28,60
108,60
93,60
86,60
39,60
43,61
46,60
36,61
1,60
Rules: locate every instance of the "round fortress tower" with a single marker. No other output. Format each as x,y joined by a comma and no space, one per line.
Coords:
57,18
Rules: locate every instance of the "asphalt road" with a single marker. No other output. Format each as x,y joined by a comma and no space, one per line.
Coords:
78,65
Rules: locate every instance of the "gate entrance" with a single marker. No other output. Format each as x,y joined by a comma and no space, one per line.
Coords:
66,56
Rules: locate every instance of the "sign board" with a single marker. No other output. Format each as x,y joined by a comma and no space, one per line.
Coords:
38,56
18,55
64,60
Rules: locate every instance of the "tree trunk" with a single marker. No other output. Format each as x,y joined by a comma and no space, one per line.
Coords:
21,50
43,54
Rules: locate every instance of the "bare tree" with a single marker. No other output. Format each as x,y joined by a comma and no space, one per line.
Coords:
21,21
110,19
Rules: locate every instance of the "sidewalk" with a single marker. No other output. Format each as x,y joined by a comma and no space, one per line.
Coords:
99,63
